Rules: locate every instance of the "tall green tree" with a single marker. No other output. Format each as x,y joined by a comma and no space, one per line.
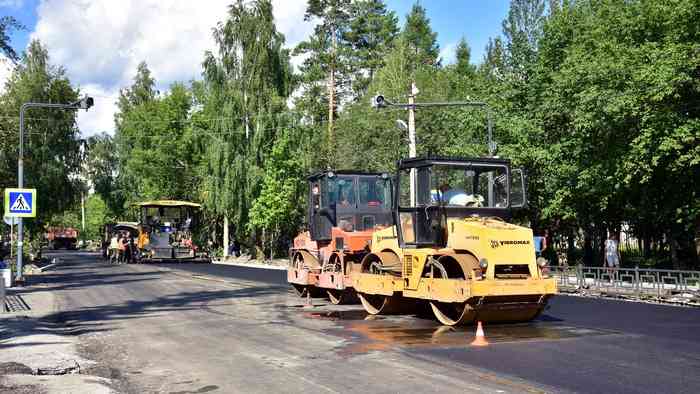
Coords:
421,39
102,166
463,55
279,208
371,33
326,64
370,139
523,29
141,91
51,146
246,83
493,64
155,149
616,103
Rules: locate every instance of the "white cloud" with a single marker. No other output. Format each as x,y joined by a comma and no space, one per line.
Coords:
100,43
448,53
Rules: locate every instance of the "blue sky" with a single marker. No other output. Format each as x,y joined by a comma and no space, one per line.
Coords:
101,42
475,20
25,13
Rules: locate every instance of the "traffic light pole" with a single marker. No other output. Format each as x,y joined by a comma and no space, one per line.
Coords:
84,103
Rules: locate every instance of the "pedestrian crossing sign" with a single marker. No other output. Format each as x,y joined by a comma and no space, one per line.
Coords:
20,203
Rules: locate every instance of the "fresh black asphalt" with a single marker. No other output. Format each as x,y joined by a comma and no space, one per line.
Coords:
647,348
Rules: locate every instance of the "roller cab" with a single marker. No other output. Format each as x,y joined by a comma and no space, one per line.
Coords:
345,208
453,245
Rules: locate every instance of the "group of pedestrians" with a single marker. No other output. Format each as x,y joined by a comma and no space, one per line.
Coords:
122,249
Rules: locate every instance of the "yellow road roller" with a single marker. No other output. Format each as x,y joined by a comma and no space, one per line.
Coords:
453,247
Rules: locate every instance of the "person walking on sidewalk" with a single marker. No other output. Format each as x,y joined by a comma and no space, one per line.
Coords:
612,254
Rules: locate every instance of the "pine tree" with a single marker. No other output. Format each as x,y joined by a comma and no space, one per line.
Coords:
327,61
370,36
463,54
421,38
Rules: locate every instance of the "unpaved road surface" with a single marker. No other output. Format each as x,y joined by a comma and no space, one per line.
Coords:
226,329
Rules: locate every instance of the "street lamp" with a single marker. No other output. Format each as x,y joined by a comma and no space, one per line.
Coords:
84,103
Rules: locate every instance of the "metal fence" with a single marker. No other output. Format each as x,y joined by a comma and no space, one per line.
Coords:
636,282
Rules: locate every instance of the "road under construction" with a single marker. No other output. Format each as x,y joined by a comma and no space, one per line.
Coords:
222,328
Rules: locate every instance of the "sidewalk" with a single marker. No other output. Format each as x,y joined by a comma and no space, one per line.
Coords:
39,354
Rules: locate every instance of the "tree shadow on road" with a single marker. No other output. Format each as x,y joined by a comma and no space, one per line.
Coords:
89,279
104,317
181,302
152,299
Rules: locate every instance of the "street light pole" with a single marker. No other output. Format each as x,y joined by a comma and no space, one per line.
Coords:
20,184
380,101
412,138
83,103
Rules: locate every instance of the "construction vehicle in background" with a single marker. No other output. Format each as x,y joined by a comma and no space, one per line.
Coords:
167,231
62,237
453,247
345,208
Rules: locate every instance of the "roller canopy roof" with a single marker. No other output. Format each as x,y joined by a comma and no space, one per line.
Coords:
345,172
446,160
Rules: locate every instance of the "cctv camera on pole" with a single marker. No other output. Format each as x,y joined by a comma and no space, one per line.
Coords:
379,101
84,103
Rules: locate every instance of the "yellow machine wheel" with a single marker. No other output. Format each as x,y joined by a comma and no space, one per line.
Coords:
377,304
384,263
452,313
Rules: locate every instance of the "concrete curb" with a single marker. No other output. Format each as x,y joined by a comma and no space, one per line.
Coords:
251,265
